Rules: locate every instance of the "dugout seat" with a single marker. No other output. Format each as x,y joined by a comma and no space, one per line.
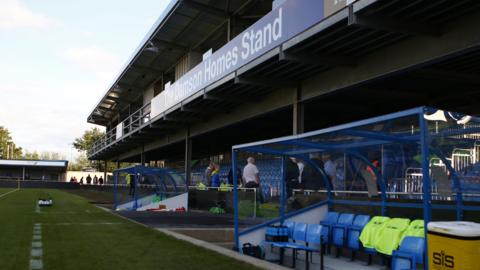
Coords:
410,253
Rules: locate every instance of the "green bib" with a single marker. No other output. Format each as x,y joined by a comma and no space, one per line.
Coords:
369,232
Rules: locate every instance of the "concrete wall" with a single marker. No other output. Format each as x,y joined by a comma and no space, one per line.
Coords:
148,94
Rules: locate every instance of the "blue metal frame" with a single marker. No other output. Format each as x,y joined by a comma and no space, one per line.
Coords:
299,146
137,172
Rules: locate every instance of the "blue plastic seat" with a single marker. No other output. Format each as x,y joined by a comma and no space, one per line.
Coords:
354,230
291,226
339,230
409,254
330,219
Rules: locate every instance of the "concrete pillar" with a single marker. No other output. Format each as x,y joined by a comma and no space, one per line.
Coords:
298,112
105,171
142,155
188,156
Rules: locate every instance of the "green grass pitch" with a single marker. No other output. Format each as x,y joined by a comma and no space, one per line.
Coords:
78,235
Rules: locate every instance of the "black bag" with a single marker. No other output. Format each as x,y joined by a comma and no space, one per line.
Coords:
250,250
276,233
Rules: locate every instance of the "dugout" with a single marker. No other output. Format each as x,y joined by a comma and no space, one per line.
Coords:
142,188
421,163
45,170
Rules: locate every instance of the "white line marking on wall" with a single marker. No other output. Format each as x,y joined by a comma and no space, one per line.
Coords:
36,252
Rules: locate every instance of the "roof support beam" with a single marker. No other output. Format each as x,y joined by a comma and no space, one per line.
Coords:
168,44
233,99
117,99
329,60
182,119
206,8
386,24
451,76
197,110
146,68
271,82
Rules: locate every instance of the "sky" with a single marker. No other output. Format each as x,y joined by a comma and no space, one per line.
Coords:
57,60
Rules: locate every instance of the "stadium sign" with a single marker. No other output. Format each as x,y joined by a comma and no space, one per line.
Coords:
278,26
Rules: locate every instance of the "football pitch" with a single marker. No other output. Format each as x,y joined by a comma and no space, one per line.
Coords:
73,234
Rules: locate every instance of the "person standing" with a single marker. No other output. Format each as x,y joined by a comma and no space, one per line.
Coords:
291,176
230,176
330,169
208,173
251,178
95,180
215,180
100,180
89,179
251,175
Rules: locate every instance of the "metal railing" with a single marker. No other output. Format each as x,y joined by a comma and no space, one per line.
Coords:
129,125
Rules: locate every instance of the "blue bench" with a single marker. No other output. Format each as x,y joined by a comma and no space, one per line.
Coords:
309,234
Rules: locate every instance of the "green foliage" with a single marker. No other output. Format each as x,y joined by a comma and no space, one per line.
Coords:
8,149
31,155
85,142
45,155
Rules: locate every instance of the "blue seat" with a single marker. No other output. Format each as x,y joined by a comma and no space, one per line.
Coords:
330,219
353,233
290,225
409,254
339,230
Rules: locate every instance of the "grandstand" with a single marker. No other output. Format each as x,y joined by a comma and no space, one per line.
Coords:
211,75
46,170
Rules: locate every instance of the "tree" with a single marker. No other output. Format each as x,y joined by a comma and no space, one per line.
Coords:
87,140
31,155
79,163
8,149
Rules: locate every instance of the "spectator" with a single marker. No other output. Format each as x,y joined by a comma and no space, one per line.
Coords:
230,176
208,172
95,180
71,179
215,180
74,179
251,175
301,167
131,184
375,164
89,179
81,181
100,180
330,169
291,176
311,178
251,178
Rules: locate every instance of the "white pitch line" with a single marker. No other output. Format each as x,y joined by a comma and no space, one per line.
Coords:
36,253
5,194
82,223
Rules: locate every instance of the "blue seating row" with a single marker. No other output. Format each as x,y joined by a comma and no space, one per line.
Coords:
343,230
